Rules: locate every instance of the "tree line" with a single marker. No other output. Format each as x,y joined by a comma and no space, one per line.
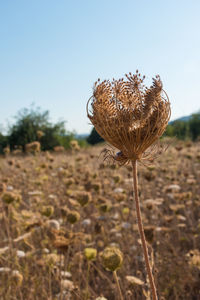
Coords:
34,125
189,129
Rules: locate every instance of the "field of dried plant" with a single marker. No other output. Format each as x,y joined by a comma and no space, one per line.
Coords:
59,211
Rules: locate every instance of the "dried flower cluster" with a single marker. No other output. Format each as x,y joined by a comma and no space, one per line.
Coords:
112,258
128,115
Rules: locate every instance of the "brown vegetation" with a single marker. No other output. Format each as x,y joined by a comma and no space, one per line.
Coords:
59,149
33,147
51,211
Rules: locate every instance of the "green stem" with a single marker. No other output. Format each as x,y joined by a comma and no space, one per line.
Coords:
118,286
87,283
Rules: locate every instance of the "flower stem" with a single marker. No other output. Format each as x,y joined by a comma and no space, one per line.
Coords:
141,230
118,286
87,284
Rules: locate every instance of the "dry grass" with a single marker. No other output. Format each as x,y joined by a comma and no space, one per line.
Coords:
62,203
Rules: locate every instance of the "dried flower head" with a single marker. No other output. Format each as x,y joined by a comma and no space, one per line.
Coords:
74,145
90,253
47,210
10,197
73,216
128,115
82,197
40,134
112,258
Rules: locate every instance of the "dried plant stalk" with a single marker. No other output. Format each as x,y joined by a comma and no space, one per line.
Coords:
118,286
141,230
131,117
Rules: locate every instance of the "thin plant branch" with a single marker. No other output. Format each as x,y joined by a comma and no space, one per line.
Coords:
118,286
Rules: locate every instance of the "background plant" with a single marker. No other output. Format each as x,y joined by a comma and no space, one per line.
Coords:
33,124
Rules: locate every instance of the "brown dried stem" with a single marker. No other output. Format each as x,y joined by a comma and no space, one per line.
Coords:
141,231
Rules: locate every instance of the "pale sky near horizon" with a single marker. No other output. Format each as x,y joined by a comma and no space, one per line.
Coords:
51,53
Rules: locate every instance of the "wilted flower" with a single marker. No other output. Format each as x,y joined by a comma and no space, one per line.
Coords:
90,253
73,216
74,145
47,210
128,115
82,197
40,134
112,258
10,197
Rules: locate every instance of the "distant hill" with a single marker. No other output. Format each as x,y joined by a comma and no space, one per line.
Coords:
184,119
183,128
82,136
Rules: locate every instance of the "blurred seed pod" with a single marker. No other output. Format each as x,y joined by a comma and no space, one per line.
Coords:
111,258
90,253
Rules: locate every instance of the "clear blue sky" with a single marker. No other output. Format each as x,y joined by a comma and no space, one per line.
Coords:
51,52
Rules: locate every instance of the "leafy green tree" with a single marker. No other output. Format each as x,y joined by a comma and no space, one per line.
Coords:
55,135
29,122
189,129
194,126
94,137
169,131
3,142
181,129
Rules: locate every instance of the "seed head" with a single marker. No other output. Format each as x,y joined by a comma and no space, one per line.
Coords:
73,216
90,253
82,197
40,134
112,258
10,197
74,145
128,115
47,210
